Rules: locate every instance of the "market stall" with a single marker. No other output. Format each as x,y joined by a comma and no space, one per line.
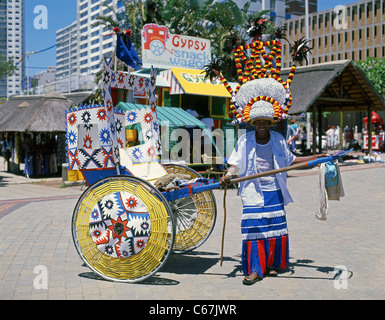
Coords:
35,133
377,132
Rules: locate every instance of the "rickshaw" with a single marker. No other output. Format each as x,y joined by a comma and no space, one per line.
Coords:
124,227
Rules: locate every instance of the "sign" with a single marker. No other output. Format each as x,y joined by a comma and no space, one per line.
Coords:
163,49
376,142
194,82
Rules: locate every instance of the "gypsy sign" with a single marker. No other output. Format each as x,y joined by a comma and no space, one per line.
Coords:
163,49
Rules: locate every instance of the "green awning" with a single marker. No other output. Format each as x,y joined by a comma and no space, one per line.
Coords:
176,117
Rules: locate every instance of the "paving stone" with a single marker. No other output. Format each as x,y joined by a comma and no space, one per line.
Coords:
39,233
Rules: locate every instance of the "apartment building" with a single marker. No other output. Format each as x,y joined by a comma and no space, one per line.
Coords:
67,51
81,46
295,8
354,31
12,44
95,42
277,8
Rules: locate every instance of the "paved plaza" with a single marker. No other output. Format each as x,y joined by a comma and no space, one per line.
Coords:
341,258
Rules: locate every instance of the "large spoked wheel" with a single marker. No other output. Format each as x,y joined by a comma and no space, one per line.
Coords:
123,228
195,215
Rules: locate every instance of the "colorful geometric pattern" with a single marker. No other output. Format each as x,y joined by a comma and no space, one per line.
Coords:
91,138
95,133
149,151
120,225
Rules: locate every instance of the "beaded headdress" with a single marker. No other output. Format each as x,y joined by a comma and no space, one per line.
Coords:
261,92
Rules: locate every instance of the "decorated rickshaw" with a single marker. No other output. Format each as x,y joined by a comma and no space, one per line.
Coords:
136,211
123,226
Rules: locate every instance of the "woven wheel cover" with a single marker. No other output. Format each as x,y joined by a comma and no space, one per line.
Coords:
120,225
123,228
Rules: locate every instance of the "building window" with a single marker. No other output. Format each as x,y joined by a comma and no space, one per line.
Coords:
368,10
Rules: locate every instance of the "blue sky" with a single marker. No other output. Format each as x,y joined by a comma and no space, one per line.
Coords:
63,13
60,14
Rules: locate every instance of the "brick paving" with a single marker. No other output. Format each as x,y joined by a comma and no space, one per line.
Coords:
38,233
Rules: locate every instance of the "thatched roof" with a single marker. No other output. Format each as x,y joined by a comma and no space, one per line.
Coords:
35,113
78,97
333,86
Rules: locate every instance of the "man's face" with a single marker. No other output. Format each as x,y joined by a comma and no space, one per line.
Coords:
262,126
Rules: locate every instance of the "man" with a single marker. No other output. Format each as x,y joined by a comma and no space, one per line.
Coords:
265,243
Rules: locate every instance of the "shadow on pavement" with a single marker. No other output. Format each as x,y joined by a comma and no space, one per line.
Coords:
324,270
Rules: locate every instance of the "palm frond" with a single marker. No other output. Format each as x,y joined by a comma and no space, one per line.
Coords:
213,69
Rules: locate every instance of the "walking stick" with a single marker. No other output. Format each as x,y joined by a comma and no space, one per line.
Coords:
224,224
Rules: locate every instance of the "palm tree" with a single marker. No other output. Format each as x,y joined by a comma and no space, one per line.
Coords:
135,15
223,23
226,33
186,17
7,68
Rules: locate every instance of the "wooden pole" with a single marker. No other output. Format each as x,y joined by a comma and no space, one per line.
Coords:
370,130
271,172
319,113
224,224
314,125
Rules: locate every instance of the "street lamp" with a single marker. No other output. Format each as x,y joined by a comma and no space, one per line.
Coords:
308,116
27,55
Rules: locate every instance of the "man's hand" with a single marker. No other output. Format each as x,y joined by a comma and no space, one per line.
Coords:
225,180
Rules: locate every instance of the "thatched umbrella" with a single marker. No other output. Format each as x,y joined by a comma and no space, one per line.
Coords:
334,86
34,113
337,86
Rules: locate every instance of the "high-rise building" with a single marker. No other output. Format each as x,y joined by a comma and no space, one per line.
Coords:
67,50
354,31
83,45
12,44
94,41
276,8
295,8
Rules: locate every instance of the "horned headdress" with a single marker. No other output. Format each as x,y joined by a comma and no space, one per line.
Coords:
261,92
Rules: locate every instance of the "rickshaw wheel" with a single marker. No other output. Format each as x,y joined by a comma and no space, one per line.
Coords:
195,216
123,229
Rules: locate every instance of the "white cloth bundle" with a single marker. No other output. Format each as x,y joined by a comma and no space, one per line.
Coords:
330,188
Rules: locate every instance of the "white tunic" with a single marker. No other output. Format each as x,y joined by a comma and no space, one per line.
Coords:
245,157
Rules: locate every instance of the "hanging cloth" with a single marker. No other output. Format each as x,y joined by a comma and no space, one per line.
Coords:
330,187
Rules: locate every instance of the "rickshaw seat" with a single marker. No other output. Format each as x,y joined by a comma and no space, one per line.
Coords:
149,171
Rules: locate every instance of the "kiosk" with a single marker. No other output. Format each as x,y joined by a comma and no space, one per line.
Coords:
377,132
